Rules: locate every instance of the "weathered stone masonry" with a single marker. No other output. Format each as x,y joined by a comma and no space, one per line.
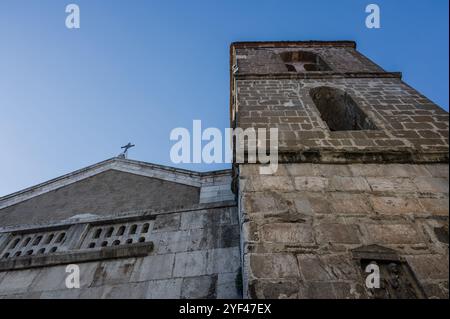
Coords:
363,178
340,198
136,230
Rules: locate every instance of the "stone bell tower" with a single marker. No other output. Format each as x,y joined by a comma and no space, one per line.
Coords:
362,179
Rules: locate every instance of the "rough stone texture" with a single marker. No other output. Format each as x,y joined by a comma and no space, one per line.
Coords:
174,246
338,191
266,95
187,262
312,242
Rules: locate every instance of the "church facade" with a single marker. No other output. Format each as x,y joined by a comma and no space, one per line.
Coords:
362,184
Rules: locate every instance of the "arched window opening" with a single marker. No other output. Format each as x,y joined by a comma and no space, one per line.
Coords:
303,61
41,251
97,233
37,240
104,244
54,249
6,255
60,238
92,245
142,240
133,229
339,110
145,228
49,239
290,67
129,241
116,243
121,231
26,242
109,232
14,243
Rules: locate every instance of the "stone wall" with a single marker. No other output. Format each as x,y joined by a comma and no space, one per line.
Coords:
405,119
370,186
301,226
184,254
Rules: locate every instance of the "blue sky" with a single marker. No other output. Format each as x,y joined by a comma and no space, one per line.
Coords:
137,69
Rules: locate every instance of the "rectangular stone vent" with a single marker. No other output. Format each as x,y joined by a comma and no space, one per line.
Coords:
117,234
41,243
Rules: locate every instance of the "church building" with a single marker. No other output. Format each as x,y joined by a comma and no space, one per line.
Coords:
361,188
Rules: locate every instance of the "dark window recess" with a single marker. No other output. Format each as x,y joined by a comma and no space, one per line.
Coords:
303,61
133,230
121,231
442,234
145,228
396,281
97,233
291,68
339,110
49,239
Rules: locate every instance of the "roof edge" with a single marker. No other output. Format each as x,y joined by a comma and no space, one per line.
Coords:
279,44
109,162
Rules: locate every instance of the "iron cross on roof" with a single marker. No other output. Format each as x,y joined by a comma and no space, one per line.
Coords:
125,150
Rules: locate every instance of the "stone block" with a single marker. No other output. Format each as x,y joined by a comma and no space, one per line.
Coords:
203,287
320,203
389,170
396,205
223,260
296,169
164,289
126,291
317,290
349,290
223,237
168,222
114,272
206,218
392,234
18,281
435,206
181,241
329,170
429,267
431,185
273,266
264,202
349,204
436,290
273,289
311,184
396,185
154,267
327,267
349,184
190,264
438,170
290,233
279,183
227,286
338,233
54,278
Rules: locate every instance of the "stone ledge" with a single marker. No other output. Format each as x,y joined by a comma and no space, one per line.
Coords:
79,256
320,156
317,75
